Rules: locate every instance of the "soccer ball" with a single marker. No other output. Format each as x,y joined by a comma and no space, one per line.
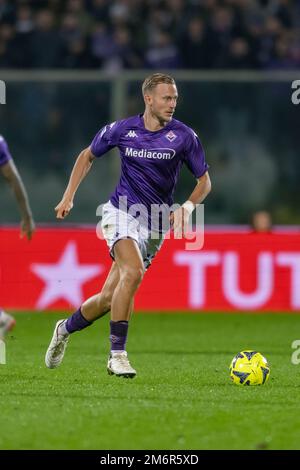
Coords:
249,368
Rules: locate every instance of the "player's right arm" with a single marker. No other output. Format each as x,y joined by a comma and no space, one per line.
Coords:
80,170
104,140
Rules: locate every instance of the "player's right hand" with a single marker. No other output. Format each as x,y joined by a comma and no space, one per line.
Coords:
63,208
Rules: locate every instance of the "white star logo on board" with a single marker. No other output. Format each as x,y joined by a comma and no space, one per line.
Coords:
64,279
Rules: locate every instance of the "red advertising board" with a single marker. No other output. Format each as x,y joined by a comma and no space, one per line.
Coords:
234,271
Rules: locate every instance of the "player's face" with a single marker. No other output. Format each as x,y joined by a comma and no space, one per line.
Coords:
162,101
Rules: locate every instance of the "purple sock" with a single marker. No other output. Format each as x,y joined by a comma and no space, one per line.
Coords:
118,335
77,322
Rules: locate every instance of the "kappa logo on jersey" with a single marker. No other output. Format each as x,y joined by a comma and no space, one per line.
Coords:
131,134
171,136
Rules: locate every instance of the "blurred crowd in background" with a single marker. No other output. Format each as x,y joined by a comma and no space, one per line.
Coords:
155,34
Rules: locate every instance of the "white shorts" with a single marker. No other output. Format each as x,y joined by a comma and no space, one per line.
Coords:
117,225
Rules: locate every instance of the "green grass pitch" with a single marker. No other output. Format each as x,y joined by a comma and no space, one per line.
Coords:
182,397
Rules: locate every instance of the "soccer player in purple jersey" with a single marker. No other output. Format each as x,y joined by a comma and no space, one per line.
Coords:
153,147
10,173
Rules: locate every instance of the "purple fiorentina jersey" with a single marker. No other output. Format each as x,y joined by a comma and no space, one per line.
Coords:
150,160
4,152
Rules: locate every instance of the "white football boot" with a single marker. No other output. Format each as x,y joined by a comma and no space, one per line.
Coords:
118,364
7,322
55,352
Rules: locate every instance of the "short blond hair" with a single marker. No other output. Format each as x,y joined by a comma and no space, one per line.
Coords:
153,80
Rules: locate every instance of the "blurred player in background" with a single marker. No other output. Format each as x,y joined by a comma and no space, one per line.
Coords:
153,148
261,222
10,173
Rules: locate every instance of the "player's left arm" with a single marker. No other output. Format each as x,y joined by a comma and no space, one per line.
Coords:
201,190
180,217
12,176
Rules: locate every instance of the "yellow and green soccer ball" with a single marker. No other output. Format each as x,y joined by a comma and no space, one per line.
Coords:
249,368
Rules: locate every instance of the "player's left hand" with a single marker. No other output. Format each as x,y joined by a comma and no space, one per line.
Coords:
179,221
27,227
